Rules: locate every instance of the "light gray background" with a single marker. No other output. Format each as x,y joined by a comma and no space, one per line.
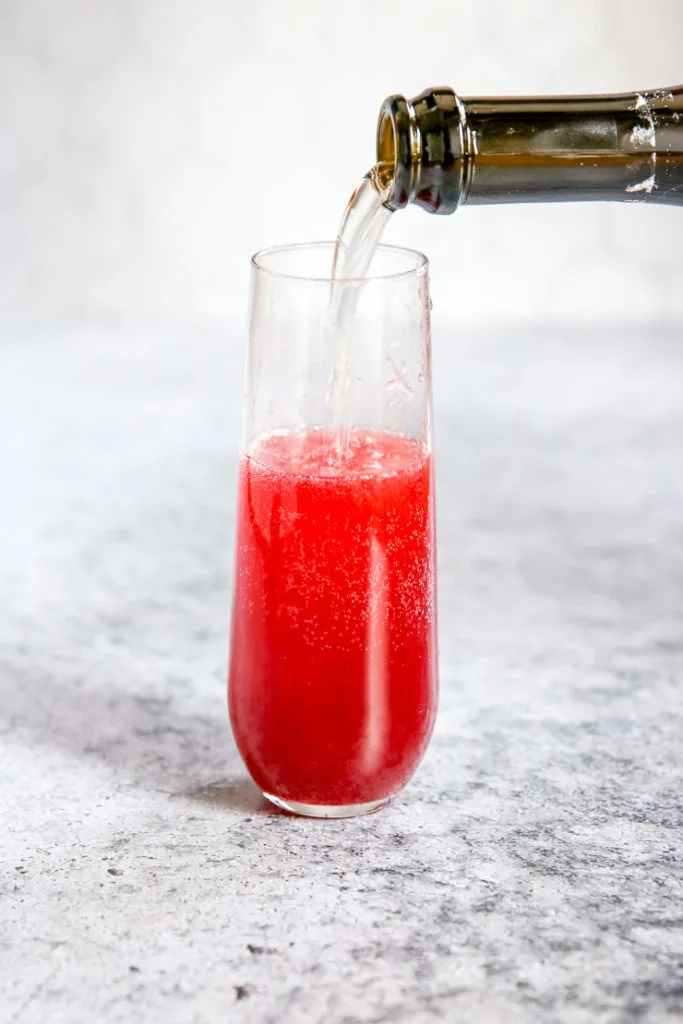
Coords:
147,147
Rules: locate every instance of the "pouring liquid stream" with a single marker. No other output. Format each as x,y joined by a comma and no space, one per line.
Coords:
364,220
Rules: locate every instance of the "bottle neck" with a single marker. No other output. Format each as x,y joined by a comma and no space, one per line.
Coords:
442,150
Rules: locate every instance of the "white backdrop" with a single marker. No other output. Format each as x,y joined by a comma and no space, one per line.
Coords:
147,147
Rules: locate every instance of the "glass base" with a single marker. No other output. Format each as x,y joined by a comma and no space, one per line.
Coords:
326,811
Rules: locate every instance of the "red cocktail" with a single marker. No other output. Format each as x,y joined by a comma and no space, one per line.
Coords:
332,677
332,687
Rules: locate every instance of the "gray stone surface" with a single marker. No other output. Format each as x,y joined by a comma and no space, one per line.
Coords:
530,873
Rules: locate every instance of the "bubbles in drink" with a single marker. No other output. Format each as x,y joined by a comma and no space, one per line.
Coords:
332,686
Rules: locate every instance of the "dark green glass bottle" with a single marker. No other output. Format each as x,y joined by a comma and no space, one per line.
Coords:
440,151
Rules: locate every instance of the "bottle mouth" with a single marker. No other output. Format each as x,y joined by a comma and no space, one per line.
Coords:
398,150
420,142
386,141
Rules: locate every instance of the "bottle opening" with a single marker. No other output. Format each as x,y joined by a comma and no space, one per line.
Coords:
394,151
386,149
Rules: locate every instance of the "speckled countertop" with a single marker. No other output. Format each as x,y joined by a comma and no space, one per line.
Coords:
531,872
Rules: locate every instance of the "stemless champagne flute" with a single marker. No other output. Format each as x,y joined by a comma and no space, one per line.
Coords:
332,688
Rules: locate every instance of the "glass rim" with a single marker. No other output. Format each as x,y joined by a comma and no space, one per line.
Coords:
421,263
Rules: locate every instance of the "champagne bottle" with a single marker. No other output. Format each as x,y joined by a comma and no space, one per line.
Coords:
440,150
